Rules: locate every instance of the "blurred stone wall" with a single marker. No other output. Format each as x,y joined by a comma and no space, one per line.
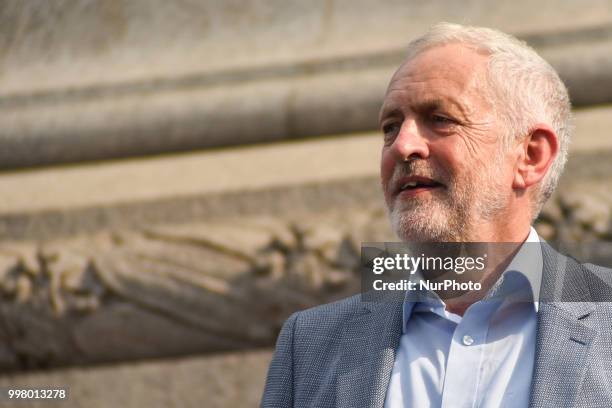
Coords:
94,79
167,190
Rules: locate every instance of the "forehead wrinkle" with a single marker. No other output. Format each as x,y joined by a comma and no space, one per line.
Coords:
442,85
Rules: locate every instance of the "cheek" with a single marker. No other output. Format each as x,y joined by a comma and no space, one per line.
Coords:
387,165
478,148
448,159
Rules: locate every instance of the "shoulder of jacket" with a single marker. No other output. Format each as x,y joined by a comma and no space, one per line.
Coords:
598,269
337,310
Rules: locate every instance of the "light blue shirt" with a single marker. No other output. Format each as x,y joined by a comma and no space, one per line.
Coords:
483,359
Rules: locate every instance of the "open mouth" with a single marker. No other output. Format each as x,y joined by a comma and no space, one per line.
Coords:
418,185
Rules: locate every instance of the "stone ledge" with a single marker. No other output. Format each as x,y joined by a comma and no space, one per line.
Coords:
82,82
306,176
139,124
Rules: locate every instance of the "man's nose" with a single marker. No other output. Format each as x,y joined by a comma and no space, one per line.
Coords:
410,143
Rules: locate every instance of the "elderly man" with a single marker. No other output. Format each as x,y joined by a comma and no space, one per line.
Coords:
475,133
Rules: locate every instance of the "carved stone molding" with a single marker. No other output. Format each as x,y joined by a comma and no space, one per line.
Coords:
210,286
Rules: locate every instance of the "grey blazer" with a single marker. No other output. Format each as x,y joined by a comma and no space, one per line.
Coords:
341,354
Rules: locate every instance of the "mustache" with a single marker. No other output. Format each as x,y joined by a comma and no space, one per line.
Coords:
418,168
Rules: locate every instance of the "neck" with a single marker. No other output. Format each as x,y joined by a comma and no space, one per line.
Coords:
509,229
500,253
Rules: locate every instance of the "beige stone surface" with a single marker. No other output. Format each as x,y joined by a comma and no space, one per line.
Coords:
76,44
140,123
301,175
221,171
220,381
592,130
228,170
85,81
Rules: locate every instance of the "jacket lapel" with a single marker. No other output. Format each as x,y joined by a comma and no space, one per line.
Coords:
369,343
563,340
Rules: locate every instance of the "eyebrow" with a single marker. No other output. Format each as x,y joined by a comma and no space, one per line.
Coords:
427,105
386,113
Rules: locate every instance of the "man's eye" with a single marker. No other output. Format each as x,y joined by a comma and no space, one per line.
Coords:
390,128
390,132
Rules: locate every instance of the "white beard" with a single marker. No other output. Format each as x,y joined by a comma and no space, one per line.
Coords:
451,214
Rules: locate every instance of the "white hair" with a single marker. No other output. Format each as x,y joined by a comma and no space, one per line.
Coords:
525,89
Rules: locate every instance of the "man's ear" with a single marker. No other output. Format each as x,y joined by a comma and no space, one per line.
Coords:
536,154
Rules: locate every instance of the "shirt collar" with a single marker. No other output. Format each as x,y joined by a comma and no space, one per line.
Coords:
524,272
523,276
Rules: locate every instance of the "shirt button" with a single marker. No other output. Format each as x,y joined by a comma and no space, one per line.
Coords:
468,340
